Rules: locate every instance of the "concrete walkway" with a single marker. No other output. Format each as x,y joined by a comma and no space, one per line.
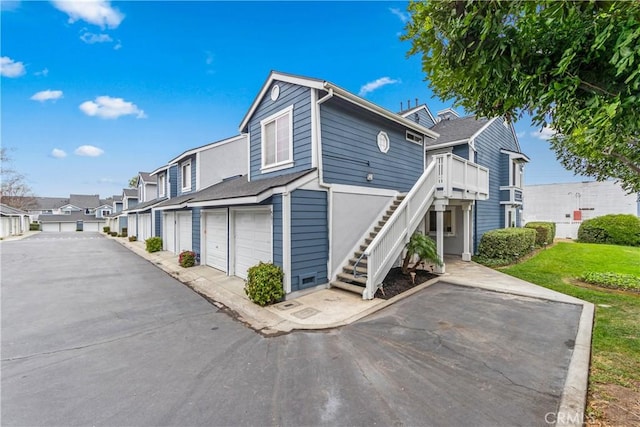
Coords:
330,308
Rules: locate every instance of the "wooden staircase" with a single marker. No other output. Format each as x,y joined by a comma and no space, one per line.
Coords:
356,283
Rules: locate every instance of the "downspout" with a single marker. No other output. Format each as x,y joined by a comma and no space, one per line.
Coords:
318,138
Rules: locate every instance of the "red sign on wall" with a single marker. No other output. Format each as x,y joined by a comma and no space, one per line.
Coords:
577,216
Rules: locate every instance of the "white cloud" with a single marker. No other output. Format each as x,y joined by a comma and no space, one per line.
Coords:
403,16
11,68
521,134
208,57
58,153
544,133
107,107
97,12
88,151
371,86
46,95
43,73
118,45
91,38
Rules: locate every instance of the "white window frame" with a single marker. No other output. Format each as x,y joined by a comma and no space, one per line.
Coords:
414,137
383,141
428,224
516,171
282,164
182,176
162,184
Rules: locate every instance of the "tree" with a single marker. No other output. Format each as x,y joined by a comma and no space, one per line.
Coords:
14,190
574,66
133,182
422,246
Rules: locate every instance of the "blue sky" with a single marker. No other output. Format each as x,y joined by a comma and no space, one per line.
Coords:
93,91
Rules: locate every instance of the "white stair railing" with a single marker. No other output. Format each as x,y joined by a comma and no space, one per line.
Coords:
444,175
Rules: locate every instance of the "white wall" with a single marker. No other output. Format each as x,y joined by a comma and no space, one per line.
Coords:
222,161
557,202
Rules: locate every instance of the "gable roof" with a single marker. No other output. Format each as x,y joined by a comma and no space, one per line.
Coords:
6,210
146,205
195,150
457,130
333,91
130,192
410,111
84,200
70,217
50,203
146,177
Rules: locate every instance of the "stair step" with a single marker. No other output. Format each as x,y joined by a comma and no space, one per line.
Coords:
373,234
385,218
377,229
362,263
360,269
381,223
368,240
346,277
347,287
363,247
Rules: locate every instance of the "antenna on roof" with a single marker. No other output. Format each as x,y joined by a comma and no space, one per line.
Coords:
401,109
408,104
416,102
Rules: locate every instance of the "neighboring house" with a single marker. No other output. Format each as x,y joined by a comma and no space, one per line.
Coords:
139,217
13,222
113,219
47,205
79,212
184,176
568,204
335,187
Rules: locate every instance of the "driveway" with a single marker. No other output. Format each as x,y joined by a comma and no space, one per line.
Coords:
94,335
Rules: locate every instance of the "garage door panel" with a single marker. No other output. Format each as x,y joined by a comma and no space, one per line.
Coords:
169,232
91,226
51,226
67,226
216,240
253,240
184,232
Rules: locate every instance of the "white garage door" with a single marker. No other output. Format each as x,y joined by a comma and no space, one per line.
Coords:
144,227
91,226
216,239
132,222
50,226
252,239
184,232
169,232
68,226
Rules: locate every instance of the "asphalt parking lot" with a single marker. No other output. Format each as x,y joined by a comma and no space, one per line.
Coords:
94,335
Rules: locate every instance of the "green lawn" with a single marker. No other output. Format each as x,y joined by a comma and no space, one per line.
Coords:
616,334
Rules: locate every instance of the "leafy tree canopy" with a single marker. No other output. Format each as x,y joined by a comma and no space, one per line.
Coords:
133,182
572,65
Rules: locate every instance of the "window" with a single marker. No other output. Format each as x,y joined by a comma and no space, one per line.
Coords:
185,168
277,140
516,174
414,137
161,184
383,141
448,223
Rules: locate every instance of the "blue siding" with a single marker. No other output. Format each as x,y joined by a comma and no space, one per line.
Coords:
195,231
300,98
489,214
421,117
122,223
158,230
461,150
118,207
309,239
173,180
350,149
276,202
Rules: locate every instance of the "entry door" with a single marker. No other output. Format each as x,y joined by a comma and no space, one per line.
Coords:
253,230
184,232
216,239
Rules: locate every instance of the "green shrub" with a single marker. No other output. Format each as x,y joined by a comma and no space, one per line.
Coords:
264,283
187,259
507,243
106,230
546,232
132,238
611,229
153,244
114,233
627,282
34,226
